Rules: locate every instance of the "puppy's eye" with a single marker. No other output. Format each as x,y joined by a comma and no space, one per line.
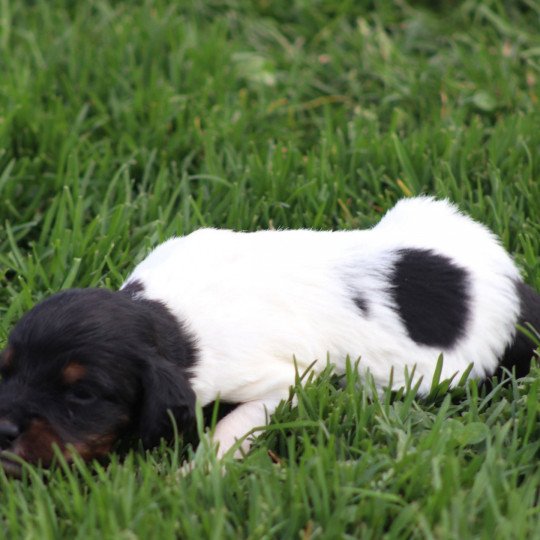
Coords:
81,396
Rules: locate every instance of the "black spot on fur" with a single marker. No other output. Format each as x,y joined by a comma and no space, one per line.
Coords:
133,288
518,355
361,304
432,297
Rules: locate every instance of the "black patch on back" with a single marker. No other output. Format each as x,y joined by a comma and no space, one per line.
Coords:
432,297
361,304
518,355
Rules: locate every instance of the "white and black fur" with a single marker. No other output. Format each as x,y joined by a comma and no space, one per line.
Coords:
252,309
426,280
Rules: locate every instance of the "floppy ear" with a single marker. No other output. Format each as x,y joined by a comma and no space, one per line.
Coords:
165,388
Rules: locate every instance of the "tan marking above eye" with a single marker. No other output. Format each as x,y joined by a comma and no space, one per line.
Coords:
6,358
73,372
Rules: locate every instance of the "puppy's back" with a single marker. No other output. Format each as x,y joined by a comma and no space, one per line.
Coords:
426,280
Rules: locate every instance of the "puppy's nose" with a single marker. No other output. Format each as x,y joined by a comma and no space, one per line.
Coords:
8,433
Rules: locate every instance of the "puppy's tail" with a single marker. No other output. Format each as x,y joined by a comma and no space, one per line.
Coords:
518,355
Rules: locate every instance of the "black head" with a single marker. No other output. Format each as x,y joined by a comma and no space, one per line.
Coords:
91,367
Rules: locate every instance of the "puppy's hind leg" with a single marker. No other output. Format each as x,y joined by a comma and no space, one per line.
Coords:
238,423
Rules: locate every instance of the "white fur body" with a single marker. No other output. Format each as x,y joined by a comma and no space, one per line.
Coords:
256,302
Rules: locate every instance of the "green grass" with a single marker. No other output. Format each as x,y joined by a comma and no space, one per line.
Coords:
123,123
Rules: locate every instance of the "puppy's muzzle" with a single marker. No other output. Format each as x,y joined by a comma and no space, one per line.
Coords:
9,431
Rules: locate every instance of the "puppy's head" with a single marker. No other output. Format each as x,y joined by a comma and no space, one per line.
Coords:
87,368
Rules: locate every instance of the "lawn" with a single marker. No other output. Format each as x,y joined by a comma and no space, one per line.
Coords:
124,123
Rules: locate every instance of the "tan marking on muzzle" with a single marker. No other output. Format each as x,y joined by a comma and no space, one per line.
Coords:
35,444
95,447
6,359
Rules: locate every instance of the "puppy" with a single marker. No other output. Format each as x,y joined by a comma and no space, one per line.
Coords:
228,315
